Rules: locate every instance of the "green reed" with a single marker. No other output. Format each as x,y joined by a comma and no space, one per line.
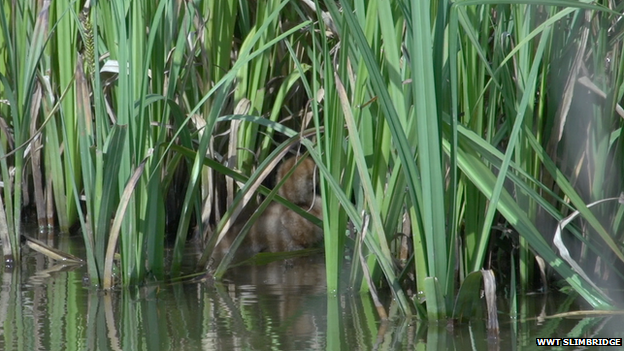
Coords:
146,121
448,195
24,31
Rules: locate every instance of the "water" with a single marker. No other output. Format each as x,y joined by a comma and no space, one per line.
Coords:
282,306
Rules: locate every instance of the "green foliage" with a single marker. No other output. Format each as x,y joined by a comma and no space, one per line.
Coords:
435,127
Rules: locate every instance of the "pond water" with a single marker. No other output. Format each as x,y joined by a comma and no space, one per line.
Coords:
46,306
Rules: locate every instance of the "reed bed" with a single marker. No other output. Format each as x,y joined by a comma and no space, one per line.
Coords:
451,138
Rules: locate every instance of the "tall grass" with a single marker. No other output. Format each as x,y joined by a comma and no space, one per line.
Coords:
445,134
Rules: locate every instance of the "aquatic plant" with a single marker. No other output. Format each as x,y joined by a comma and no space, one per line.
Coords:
447,135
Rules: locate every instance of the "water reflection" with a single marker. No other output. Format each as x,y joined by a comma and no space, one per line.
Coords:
282,306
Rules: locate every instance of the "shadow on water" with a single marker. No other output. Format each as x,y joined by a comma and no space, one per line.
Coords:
280,306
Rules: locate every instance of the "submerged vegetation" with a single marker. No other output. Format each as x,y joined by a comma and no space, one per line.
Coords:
450,138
